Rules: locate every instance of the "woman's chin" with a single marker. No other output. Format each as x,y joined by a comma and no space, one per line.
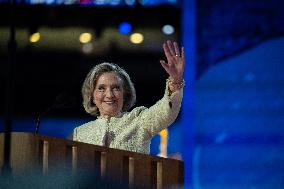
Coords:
110,111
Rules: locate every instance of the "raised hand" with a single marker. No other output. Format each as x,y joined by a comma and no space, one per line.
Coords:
175,61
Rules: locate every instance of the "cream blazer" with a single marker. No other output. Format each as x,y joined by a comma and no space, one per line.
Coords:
134,130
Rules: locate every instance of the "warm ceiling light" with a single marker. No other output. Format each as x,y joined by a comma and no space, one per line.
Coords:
136,38
35,37
85,37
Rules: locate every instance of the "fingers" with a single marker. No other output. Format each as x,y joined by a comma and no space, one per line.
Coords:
164,65
163,62
173,53
167,51
175,60
176,49
182,55
171,48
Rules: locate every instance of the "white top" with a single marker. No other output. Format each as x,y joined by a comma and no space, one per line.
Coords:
133,130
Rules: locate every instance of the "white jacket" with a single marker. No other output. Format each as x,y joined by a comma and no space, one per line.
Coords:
134,130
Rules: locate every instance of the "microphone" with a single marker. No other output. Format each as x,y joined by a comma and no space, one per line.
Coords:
63,100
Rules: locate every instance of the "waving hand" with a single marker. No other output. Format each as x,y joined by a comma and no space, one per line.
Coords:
175,61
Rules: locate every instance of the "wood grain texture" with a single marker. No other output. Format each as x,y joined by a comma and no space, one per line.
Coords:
46,155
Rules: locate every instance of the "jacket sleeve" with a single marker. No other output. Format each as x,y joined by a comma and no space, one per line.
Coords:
162,114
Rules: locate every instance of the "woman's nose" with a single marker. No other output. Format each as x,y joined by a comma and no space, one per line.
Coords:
109,93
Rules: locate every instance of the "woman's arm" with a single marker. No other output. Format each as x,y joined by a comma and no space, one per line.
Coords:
164,112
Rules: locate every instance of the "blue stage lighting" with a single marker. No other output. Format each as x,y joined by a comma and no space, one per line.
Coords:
125,28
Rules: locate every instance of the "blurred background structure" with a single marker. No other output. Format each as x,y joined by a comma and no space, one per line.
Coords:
237,138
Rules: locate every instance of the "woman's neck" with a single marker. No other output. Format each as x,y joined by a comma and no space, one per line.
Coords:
110,116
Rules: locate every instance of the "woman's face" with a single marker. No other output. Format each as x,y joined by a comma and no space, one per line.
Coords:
108,94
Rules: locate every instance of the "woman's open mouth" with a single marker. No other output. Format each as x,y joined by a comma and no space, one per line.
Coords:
109,102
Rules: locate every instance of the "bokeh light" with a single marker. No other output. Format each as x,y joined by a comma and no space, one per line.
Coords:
136,38
87,48
125,28
35,37
168,29
85,37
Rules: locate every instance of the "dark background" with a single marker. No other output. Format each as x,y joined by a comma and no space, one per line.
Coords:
41,73
239,89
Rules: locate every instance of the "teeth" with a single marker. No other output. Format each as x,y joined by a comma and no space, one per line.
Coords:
109,102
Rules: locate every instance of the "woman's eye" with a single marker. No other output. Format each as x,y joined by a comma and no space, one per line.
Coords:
116,88
101,88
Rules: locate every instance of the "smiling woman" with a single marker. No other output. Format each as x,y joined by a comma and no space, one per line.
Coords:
105,83
109,93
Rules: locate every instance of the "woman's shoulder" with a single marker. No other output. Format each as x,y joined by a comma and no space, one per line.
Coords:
135,112
86,125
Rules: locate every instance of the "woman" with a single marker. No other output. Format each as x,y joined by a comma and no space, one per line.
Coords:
108,93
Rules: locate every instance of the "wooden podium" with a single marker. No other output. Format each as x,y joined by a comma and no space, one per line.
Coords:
43,156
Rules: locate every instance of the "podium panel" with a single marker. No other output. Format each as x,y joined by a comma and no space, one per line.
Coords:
85,165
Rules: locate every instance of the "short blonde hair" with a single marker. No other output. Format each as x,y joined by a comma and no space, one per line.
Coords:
89,85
